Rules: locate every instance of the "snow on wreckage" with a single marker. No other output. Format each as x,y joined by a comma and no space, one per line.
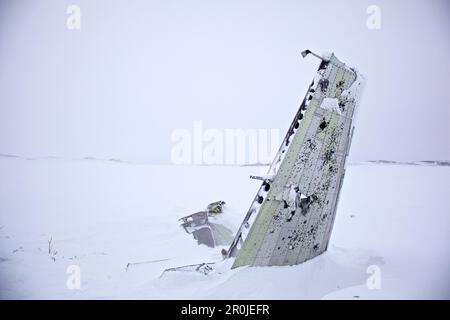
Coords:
291,217
205,231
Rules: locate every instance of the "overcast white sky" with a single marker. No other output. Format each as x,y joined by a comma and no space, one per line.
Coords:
137,70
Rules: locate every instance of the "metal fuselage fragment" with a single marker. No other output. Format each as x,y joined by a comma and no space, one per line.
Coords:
292,215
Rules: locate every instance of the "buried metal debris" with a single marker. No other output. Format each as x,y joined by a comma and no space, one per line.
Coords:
215,207
203,268
206,232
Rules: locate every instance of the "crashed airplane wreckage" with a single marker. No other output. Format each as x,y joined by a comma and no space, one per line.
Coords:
292,215
204,231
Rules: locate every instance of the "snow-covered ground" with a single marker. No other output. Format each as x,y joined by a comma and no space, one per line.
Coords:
102,215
